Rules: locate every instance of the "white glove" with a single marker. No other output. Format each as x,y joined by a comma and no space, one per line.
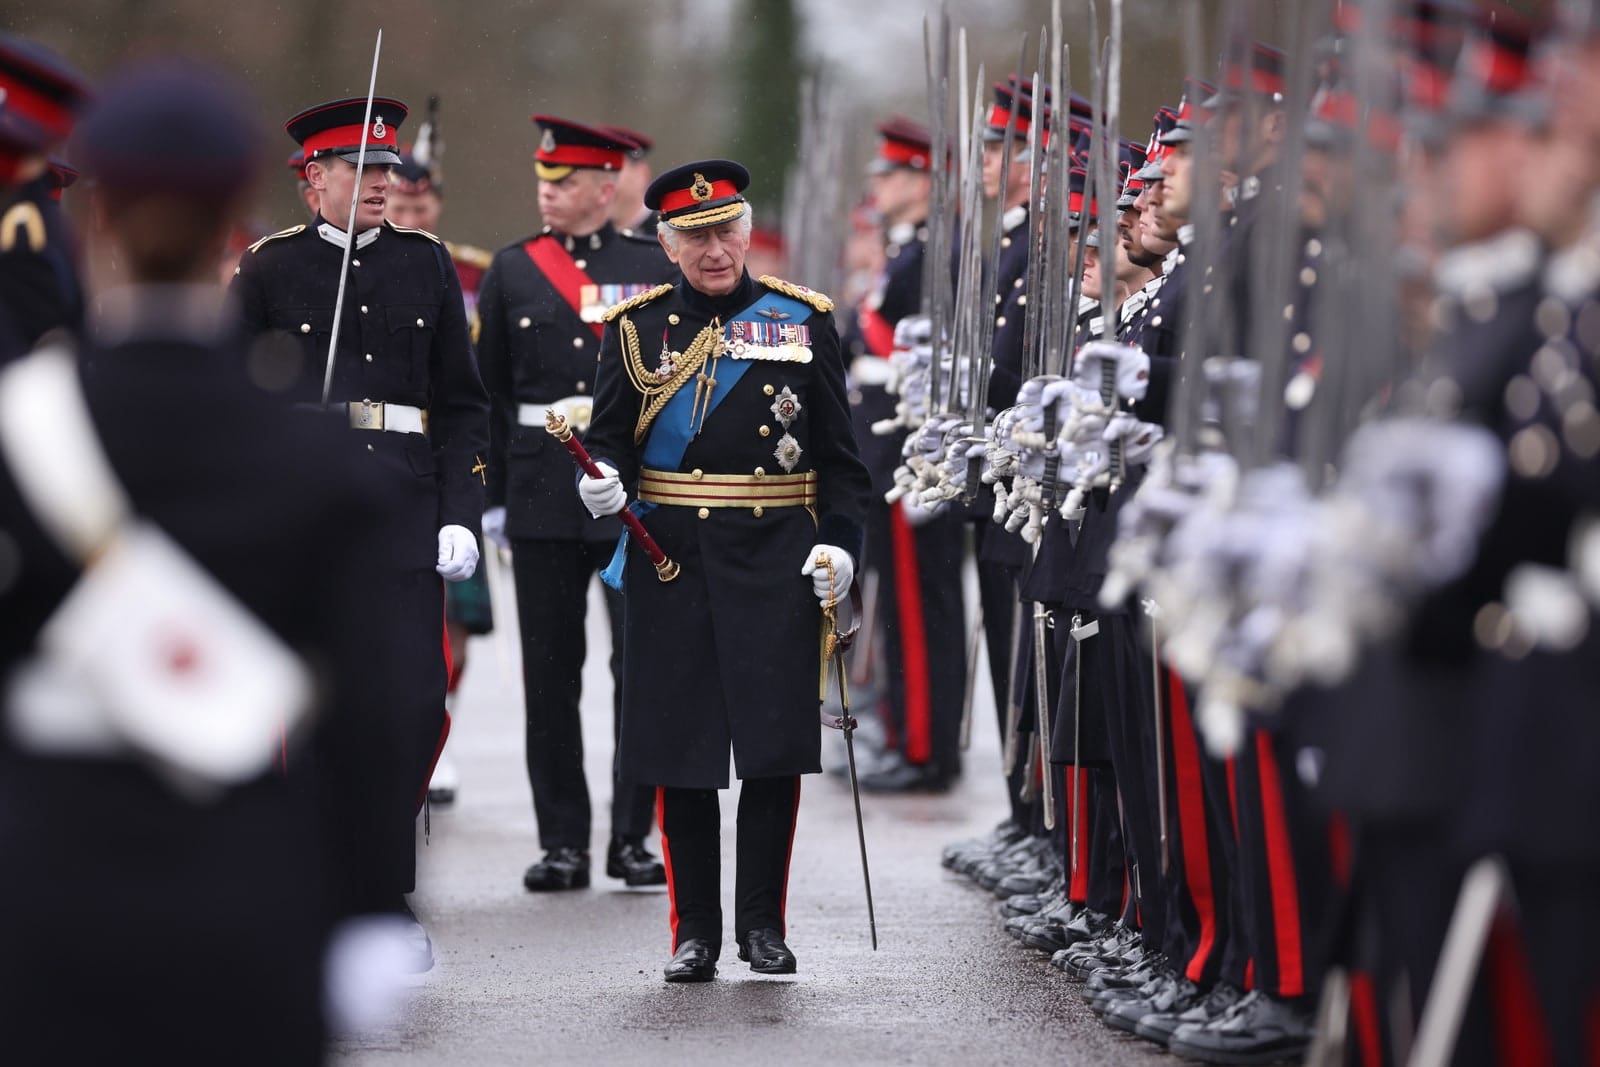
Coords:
494,527
458,553
844,572
603,496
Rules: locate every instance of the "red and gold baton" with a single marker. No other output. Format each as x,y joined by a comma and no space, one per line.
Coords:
556,424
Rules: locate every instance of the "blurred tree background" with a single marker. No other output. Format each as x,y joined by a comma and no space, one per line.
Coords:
704,77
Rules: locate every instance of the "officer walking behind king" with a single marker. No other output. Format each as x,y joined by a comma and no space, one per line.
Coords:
540,309
736,431
405,384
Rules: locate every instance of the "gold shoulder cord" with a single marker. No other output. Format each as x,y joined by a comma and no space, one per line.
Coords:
654,391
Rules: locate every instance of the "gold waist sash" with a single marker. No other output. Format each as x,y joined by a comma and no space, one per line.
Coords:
698,489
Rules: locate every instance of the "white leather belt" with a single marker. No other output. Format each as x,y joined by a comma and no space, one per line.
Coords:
397,418
577,410
871,370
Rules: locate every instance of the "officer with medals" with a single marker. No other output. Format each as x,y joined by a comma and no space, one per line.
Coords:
540,309
405,384
723,400
39,290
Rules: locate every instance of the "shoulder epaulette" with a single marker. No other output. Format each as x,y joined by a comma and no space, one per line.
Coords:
470,254
290,232
413,230
636,301
799,292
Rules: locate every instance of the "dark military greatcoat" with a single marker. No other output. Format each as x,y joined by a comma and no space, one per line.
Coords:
39,288
728,653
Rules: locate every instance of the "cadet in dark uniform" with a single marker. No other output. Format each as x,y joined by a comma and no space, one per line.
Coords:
191,922
39,289
723,400
406,385
416,201
540,310
916,554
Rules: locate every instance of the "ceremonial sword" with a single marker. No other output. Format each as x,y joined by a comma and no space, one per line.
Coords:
350,225
834,646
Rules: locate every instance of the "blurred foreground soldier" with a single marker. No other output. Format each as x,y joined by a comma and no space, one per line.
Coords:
39,290
308,196
165,643
541,308
736,432
405,387
416,201
627,210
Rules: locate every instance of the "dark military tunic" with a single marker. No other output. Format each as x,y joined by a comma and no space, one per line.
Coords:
106,862
402,340
535,348
729,651
39,289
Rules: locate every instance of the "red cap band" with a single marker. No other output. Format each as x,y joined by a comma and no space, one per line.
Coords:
37,107
903,154
380,135
999,116
682,198
577,155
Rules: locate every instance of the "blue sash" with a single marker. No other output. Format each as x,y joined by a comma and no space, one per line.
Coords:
669,435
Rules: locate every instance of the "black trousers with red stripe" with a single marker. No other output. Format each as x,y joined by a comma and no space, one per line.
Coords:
1285,874
998,591
691,849
1201,929
924,630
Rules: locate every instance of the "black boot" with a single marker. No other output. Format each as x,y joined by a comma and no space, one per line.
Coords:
628,859
561,868
1258,1029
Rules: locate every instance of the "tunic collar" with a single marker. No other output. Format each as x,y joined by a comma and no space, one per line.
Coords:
336,237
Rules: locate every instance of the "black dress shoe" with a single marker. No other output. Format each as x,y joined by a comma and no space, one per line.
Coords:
629,860
1258,1029
1170,996
766,952
695,961
561,868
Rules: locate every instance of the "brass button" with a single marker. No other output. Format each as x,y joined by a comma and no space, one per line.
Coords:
525,322
363,309
764,431
355,263
421,323
673,320
705,513
697,474
369,448
758,511
768,390
305,327
761,472
577,342
369,357
583,387
581,264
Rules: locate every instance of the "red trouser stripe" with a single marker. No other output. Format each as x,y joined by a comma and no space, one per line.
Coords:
913,636
1519,1027
1339,855
1192,822
444,731
1078,816
1364,1019
1280,871
788,854
666,861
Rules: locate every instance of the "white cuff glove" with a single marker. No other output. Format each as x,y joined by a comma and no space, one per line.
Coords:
844,572
494,527
603,496
458,553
